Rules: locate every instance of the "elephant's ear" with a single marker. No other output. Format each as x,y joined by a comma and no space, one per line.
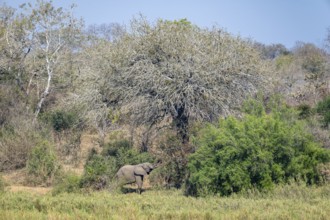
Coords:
139,171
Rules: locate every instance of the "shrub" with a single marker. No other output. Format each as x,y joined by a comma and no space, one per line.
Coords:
60,120
17,139
323,108
284,61
67,182
305,111
98,171
42,165
257,151
171,153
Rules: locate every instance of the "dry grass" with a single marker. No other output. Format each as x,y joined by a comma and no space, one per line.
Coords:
287,202
33,190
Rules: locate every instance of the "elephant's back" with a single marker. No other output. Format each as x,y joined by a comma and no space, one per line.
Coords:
126,173
124,170
127,167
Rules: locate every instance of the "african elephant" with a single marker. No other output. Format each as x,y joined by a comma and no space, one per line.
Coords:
134,174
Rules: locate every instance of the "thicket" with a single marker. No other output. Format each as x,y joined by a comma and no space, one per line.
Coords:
60,120
323,108
17,138
42,165
173,156
68,182
258,151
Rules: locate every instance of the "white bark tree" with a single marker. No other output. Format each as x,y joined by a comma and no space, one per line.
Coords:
54,30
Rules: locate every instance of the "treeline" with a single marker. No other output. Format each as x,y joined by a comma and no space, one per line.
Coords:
157,92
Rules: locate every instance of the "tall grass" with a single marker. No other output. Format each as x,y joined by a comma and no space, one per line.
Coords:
287,202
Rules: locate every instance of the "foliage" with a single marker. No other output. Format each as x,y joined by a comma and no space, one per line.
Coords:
305,111
61,120
98,171
302,76
317,119
42,164
173,70
124,153
271,51
17,138
256,151
313,59
172,155
284,61
67,183
323,108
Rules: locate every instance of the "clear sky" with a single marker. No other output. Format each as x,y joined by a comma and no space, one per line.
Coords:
266,21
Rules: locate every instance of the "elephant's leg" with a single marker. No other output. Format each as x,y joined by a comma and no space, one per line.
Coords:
139,182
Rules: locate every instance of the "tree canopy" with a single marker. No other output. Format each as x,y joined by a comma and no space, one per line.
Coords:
177,71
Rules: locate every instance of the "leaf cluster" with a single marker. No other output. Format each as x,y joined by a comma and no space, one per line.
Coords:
323,108
256,151
61,120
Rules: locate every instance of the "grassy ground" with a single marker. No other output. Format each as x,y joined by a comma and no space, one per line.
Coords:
287,202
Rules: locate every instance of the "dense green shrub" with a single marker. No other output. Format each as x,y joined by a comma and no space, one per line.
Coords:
42,164
323,108
67,182
258,151
305,111
60,120
98,171
101,168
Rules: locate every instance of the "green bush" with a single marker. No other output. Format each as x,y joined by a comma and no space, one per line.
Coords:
98,171
67,182
323,108
305,111
60,120
255,152
42,164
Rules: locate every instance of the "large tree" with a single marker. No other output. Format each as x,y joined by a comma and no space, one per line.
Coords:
34,44
179,72
55,30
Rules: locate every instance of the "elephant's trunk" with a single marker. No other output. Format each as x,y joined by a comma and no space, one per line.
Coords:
157,164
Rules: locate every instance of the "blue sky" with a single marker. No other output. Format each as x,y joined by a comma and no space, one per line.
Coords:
266,21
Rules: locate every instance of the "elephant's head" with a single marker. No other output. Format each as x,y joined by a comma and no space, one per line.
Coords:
143,168
148,167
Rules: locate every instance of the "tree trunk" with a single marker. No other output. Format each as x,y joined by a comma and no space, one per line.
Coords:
181,122
45,93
